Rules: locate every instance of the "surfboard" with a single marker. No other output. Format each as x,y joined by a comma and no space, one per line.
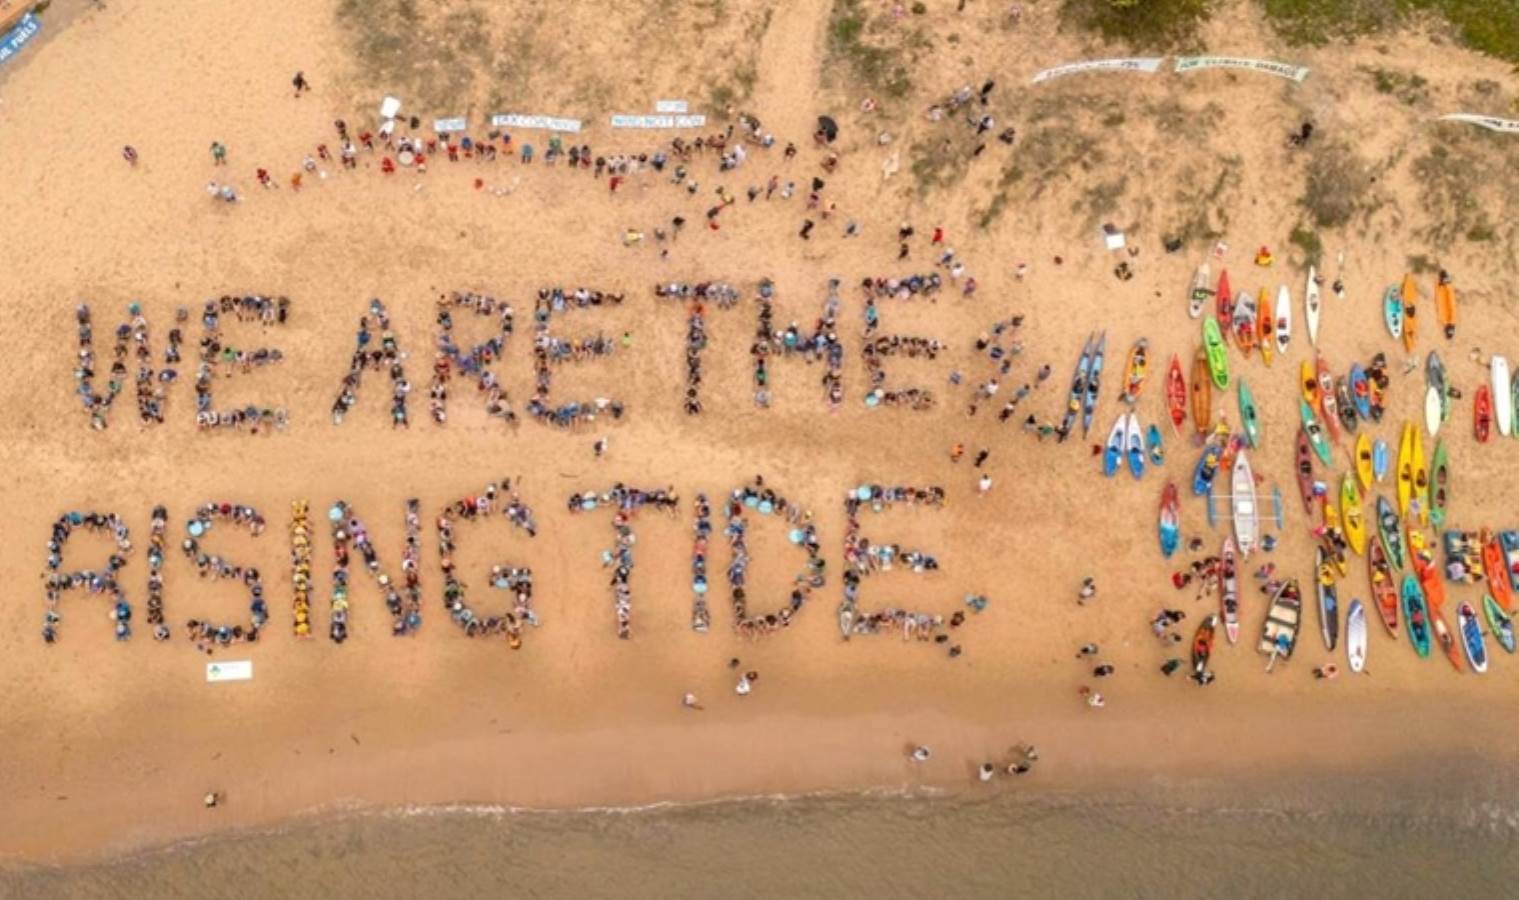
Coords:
1311,305
1503,395
1355,636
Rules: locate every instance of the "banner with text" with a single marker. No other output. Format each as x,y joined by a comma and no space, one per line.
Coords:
1128,64
548,123
17,37
1270,67
1491,123
696,121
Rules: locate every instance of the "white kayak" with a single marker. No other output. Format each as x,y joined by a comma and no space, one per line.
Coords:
1432,410
1242,499
1311,305
1503,396
1283,318
1355,636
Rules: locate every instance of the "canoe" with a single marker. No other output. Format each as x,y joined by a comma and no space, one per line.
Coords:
1439,486
1153,442
1446,640
1409,294
1445,307
1353,522
1094,380
1327,402
1134,371
1170,520
1380,457
1308,383
1390,530
1436,377
1482,414
1499,622
1360,391
1383,592
1246,333
1415,615
1311,306
1134,447
1229,595
1355,636
1305,470
1248,415
1471,637
1363,470
1315,432
1112,456
1202,646
1283,319
1328,597
1377,382
1496,567
1207,468
1242,499
1279,633
1503,395
1200,291
1420,473
1405,469
1078,389
1225,296
1344,406
1432,411
1392,312
1218,357
1176,394
1202,393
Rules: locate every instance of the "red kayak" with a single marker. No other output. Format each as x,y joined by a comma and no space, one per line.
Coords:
1496,568
1225,304
1482,420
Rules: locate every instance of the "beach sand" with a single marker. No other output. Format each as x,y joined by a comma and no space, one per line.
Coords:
110,747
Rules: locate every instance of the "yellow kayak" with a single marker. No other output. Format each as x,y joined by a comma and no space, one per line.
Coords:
1363,467
1420,476
1350,515
1405,469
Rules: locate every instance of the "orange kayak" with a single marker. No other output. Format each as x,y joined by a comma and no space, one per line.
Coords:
1176,394
1496,568
1445,307
1410,294
1202,392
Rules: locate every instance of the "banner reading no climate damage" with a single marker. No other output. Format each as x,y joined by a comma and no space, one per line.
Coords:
1270,67
17,37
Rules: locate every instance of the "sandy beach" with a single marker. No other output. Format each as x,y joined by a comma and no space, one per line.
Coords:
110,746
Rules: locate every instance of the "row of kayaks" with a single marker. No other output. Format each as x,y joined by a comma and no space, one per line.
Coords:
1251,321
1128,443
1495,402
1082,401
1400,309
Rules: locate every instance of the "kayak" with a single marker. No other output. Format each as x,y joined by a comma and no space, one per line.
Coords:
1176,394
1376,386
1410,298
1263,328
1405,469
1379,460
1225,297
1432,411
1229,595
1360,391
1350,514
1420,473
1496,567
1311,306
1249,417
1202,646
1078,389
1435,376
1392,312
1445,638
1363,461
1170,520
1439,486
1308,380
1305,470
1242,498
1383,593
1094,379
1200,291
1113,454
1390,529
1327,402
1344,406
1355,636
1428,572
1471,637
1500,623
1513,400
1202,393
1157,449
1207,468
1509,540
1283,319
1314,432
1246,334
1415,615
1134,371
1279,633
1277,507
1329,608
1503,395
1445,307
1134,444
1218,357
1482,414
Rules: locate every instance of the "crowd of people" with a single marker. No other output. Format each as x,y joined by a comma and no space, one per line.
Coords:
215,567
300,566
821,345
766,501
214,354
701,526
696,296
384,357
348,531
95,582
475,363
626,502
518,581
549,351
131,342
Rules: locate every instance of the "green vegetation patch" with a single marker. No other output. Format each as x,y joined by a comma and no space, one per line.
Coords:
1142,24
1491,26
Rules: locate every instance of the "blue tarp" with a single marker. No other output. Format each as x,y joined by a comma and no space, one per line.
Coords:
16,38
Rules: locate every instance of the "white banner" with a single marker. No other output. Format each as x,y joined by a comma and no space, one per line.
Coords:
1507,126
1130,64
1279,69
456,124
696,121
231,670
671,106
550,123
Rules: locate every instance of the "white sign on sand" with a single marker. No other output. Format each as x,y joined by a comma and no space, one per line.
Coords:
550,123
662,121
1129,64
231,670
1491,123
670,106
458,123
1279,69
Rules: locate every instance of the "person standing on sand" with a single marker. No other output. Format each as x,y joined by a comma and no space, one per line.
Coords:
984,485
129,153
300,84
218,153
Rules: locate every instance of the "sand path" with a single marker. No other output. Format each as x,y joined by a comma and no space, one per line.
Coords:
790,63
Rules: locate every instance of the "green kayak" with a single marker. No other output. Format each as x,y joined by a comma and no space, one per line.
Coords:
1315,431
1416,614
1248,416
1218,354
1391,530
1439,486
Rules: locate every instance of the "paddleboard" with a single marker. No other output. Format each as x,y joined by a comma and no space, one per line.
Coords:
1379,460
1311,305
1503,395
1355,636
1170,520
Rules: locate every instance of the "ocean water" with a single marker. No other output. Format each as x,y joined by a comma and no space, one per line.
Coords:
1460,840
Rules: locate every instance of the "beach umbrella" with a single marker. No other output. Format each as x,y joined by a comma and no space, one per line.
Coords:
829,128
